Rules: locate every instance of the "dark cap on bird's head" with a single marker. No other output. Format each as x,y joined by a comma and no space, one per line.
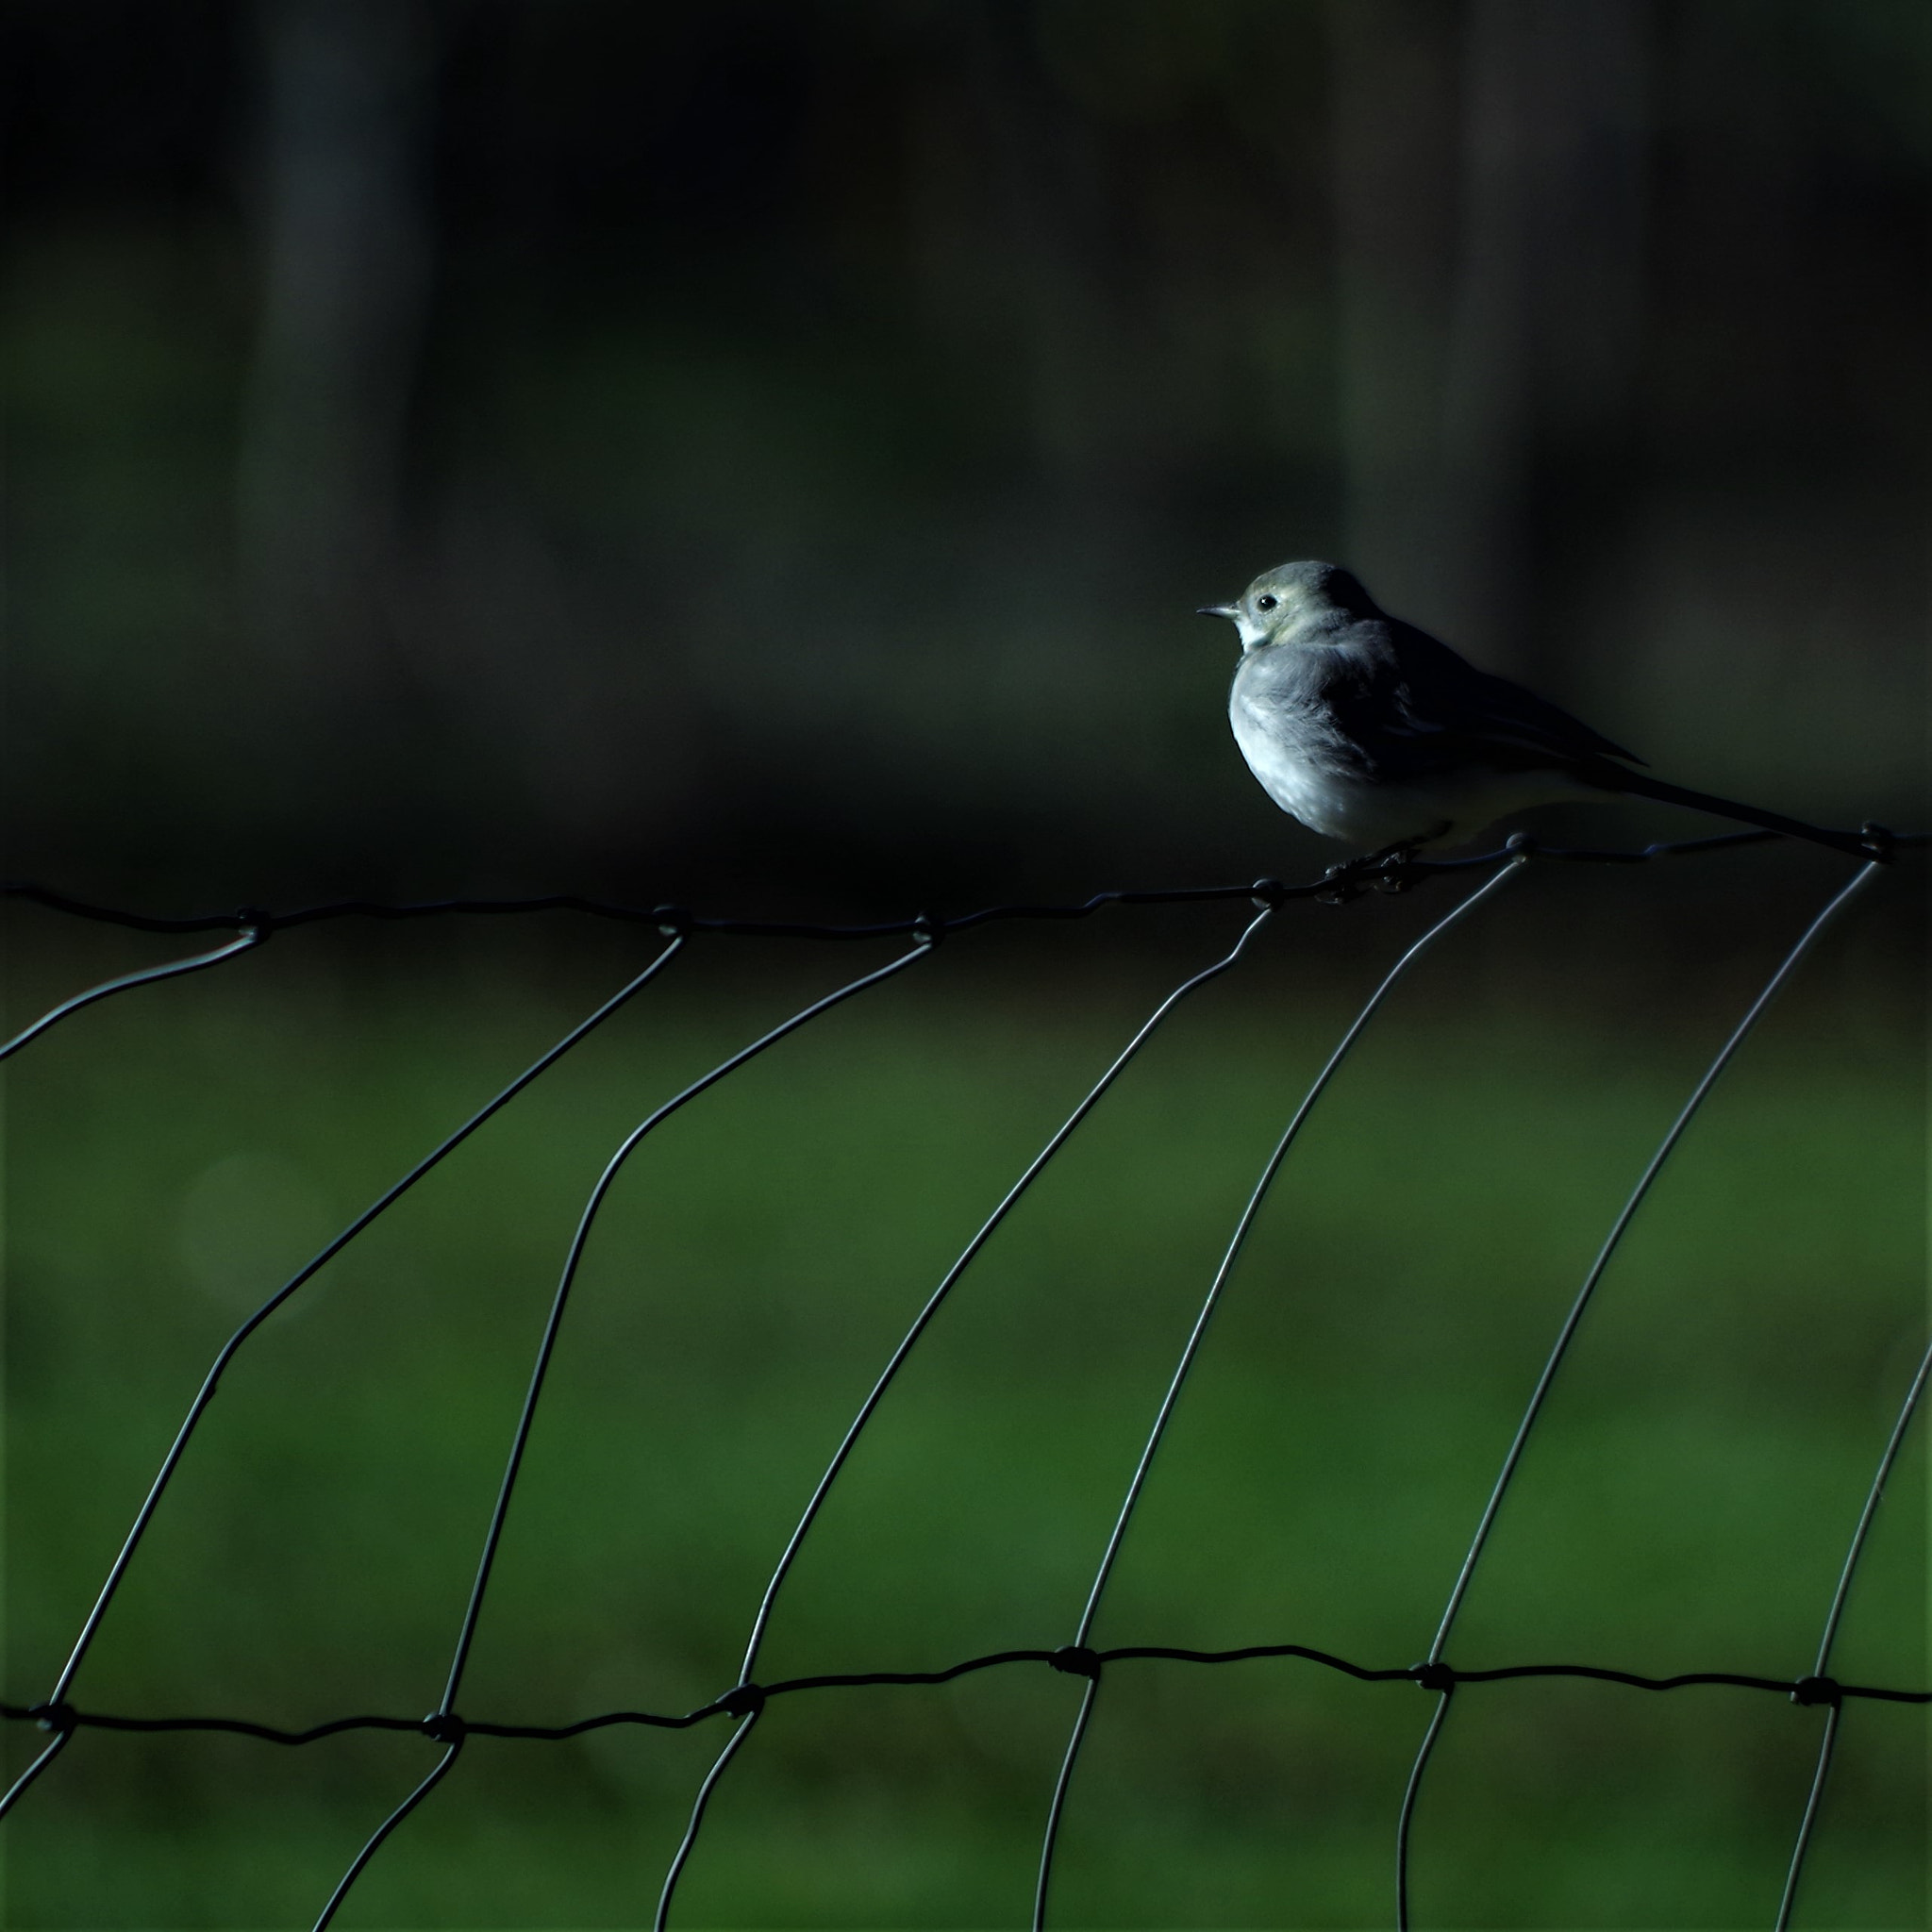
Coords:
1296,602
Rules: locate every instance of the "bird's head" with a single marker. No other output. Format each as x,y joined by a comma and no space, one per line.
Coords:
1296,604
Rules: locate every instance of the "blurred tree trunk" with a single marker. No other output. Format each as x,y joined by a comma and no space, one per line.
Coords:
1394,114
343,246
1491,255
1545,333
1047,186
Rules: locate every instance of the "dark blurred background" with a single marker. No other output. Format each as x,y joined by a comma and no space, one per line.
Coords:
773,452
769,456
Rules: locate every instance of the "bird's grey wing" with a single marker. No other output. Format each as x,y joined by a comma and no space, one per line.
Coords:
1466,713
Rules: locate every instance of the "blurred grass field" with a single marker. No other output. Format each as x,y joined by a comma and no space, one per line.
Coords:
1685,1505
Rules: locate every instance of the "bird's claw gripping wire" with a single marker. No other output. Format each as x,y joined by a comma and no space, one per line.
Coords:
1392,870
1344,882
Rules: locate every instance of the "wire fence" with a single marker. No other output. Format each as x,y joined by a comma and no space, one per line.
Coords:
743,1703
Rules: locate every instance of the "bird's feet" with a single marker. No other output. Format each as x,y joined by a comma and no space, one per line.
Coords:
1392,869
1385,871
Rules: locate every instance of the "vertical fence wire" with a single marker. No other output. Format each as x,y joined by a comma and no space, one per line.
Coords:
1438,1678
451,1750
1821,1683
444,1716
897,1361
211,1381
744,1704
1082,1664
700,1804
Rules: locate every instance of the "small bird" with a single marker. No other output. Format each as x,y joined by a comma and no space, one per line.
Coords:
1372,731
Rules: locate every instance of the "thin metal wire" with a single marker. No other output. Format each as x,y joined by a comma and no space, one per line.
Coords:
1244,1226
62,1733
148,975
1886,1463
966,1258
1827,1745
1056,1811
921,1322
65,1719
699,1805
1404,1819
1860,880
1665,1149
1192,1348
1807,1823
211,1381
520,1440
591,1208
1350,877
362,1857
746,1701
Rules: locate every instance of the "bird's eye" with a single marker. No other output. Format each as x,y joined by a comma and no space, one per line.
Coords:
1266,603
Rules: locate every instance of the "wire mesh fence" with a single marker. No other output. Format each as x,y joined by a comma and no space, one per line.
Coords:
740,1708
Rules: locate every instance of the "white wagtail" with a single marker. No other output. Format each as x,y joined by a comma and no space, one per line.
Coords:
1368,729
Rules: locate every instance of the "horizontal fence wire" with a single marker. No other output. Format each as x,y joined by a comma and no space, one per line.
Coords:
1069,1658
743,1704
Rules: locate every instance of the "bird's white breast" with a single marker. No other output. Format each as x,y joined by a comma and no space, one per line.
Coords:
1372,813
1326,800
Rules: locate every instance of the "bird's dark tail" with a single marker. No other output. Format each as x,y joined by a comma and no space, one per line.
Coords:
1871,844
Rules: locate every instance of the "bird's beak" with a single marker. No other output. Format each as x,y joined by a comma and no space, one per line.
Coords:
1229,610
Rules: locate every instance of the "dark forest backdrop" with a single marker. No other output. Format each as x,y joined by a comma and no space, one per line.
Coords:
769,456
772,451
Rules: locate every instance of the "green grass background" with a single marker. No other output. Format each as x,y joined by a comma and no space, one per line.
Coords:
1685,1505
